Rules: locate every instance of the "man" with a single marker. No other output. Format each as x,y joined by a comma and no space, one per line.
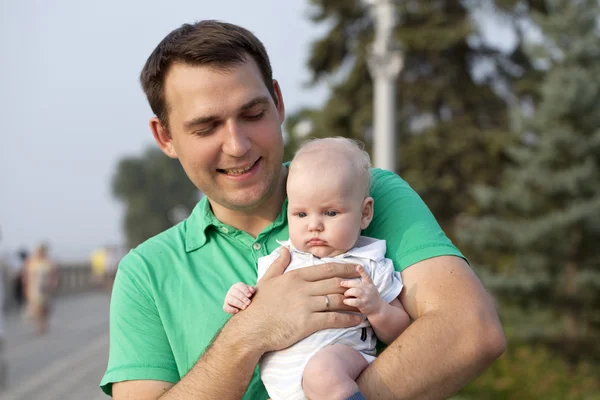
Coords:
219,112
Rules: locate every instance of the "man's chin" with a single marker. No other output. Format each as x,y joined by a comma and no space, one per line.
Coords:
246,201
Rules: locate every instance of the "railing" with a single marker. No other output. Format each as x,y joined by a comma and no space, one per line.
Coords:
74,278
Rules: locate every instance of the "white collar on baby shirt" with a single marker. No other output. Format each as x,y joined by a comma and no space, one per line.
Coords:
367,247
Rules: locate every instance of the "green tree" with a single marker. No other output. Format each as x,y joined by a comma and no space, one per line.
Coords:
156,191
541,228
452,119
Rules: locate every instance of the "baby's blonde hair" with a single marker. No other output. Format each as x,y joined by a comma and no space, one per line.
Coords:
354,153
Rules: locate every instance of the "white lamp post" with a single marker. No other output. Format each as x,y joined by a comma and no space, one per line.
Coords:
385,63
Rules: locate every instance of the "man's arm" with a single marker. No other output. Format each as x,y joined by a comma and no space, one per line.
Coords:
455,336
223,372
285,309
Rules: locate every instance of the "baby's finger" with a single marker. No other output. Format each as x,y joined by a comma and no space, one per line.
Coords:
364,276
350,283
357,303
243,288
238,299
353,292
230,310
239,304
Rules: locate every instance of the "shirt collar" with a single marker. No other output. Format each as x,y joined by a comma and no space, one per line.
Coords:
202,218
367,247
196,224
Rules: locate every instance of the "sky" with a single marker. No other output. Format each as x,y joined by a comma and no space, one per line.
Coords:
71,105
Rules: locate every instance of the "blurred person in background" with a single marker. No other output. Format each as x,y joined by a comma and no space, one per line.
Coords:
18,276
98,260
41,281
3,366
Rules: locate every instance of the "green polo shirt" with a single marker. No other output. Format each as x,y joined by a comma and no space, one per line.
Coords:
167,299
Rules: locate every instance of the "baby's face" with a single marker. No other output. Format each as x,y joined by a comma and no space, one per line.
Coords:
325,212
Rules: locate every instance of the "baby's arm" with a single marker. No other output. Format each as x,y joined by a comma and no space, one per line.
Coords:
238,298
388,320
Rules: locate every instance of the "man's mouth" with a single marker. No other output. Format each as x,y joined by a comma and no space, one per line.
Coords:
238,171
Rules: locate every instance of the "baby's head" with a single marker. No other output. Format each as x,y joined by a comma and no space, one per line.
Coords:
328,196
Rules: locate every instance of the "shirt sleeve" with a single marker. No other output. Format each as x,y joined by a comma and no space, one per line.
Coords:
403,220
139,348
386,279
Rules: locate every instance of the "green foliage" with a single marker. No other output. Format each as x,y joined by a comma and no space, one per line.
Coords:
155,189
451,126
531,373
540,226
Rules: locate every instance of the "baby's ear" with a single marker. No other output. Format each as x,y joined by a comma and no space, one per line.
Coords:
367,212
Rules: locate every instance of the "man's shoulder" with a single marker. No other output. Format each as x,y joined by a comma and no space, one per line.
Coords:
382,177
157,249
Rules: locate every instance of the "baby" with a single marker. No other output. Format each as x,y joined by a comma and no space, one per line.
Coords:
328,206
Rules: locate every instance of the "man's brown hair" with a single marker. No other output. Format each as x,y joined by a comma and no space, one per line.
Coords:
208,42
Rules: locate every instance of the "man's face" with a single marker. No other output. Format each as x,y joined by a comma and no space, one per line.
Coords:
225,129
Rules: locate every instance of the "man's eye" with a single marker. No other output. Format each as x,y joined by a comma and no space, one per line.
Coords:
255,116
204,131
331,213
301,214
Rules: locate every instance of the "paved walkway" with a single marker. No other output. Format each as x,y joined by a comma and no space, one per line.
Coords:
69,361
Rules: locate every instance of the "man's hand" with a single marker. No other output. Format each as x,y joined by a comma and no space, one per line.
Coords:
289,307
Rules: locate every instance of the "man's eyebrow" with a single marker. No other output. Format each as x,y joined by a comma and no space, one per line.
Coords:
204,120
199,121
255,101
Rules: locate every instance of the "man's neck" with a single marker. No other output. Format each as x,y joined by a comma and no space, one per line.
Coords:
254,221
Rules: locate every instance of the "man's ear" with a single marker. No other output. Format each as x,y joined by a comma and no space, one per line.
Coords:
163,137
367,212
280,106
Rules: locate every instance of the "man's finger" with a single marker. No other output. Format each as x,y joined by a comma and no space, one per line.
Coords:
279,265
327,271
336,303
326,286
335,320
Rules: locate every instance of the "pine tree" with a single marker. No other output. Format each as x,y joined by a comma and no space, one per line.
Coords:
542,228
156,192
451,123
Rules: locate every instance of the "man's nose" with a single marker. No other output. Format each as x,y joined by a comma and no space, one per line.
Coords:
236,143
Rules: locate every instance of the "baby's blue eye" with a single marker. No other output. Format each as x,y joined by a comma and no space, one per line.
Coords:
331,213
301,214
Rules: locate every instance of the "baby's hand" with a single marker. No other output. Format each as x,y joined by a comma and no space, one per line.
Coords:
238,298
363,294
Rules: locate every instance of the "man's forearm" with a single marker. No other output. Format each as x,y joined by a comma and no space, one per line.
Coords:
223,371
435,357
